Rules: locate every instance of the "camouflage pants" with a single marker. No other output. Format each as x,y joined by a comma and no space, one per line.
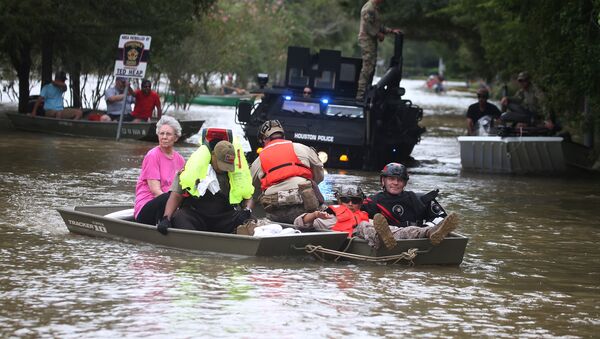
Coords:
366,231
369,59
285,206
285,214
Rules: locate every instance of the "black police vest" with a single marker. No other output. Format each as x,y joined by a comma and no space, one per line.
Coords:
401,210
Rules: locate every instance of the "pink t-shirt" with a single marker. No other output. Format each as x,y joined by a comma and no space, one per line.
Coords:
156,166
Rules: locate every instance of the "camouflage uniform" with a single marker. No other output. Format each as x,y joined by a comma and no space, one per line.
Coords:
366,231
530,99
528,102
284,201
370,25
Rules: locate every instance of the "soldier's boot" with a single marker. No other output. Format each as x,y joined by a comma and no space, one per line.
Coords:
383,231
442,229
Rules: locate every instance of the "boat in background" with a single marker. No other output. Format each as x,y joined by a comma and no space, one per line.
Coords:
580,156
117,222
496,154
145,131
507,149
215,100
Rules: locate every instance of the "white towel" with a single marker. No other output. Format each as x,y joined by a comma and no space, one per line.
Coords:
210,182
273,230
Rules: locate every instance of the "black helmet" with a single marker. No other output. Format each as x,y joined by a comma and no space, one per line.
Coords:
269,128
351,191
394,169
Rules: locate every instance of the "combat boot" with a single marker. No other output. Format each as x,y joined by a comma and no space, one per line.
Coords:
441,230
383,231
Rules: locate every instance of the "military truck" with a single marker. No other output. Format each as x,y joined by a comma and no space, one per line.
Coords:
345,133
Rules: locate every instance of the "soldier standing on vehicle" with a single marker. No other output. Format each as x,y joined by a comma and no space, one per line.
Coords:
371,30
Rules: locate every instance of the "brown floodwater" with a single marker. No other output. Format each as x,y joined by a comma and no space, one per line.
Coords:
531,268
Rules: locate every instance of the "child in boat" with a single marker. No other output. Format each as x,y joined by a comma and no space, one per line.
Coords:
347,216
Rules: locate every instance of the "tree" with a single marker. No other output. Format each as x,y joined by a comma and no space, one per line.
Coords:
80,35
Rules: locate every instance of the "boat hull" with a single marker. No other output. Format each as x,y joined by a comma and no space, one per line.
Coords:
449,252
215,100
145,131
494,154
90,220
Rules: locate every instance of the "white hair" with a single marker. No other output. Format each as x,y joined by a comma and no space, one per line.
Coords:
169,121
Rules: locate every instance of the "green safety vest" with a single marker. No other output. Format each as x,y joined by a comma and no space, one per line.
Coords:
240,180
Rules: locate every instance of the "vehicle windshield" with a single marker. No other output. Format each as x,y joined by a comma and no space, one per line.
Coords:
301,107
345,111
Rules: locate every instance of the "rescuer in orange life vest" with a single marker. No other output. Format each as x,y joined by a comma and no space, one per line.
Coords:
347,216
287,173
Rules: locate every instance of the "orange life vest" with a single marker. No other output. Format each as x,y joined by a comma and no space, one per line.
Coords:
279,162
346,219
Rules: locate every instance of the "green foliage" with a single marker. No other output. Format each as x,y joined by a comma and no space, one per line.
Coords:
194,41
557,41
82,36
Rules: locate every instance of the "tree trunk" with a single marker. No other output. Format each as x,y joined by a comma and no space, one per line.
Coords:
74,77
588,124
47,55
21,61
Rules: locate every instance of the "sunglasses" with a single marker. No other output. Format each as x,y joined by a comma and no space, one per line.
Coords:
354,200
306,92
482,96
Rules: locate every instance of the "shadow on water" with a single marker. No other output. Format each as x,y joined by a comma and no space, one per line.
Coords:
531,268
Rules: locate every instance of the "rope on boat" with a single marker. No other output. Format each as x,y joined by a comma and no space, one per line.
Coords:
318,252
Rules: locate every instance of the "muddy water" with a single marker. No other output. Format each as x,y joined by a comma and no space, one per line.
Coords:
531,269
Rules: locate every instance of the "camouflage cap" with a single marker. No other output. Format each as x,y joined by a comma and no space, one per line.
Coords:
349,191
523,76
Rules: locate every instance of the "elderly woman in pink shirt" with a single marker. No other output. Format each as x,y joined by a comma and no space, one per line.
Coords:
158,170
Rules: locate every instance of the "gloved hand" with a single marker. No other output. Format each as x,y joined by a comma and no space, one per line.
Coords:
163,225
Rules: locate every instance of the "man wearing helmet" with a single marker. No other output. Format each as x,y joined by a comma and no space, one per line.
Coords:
346,216
398,207
287,174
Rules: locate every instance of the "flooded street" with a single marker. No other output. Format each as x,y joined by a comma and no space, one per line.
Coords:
531,268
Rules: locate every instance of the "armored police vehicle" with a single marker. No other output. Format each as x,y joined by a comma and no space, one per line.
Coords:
345,133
